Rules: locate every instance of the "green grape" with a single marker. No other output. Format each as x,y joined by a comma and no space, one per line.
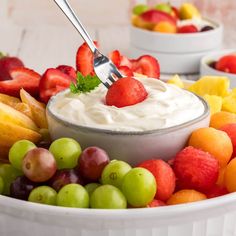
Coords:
8,174
43,195
139,187
165,7
18,151
108,197
91,187
73,195
1,185
66,152
140,8
114,172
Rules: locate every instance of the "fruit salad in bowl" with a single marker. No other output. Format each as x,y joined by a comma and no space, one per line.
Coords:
220,63
165,18
174,36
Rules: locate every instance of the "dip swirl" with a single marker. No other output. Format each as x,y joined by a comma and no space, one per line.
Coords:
165,106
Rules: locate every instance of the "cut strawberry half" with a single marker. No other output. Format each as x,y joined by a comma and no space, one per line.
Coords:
21,78
7,64
146,65
126,71
126,92
124,61
115,57
84,60
68,70
187,29
52,82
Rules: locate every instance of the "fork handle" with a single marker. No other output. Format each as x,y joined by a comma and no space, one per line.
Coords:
70,14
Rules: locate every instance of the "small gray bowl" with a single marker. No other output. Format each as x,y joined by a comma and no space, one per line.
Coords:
132,147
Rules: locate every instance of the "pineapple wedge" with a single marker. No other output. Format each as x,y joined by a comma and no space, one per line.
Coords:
176,81
9,100
24,108
10,133
211,85
229,102
214,102
11,115
38,109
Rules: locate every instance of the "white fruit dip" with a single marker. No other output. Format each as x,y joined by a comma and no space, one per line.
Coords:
165,106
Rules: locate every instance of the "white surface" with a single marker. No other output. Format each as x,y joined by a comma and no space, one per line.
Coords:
207,70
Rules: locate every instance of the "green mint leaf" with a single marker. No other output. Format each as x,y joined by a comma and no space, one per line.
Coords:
84,84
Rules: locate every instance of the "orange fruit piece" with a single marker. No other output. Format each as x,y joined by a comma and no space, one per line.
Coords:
222,118
214,141
220,180
165,27
186,196
38,109
24,108
229,176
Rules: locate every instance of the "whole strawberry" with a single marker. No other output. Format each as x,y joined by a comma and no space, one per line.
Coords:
7,64
196,169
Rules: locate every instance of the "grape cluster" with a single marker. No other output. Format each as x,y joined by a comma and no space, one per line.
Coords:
64,175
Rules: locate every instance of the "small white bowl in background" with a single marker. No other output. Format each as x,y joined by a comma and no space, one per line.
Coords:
206,69
177,53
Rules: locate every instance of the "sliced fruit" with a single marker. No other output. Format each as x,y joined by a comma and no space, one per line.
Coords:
84,60
21,78
10,133
115,57
165,27
211,85
146,65
165,7
186,196
52,82
154,16
186,29
25,109
229,102
125,70
227,64
214,102
125,92
9,100
7,64
38,109
140,8
68,70
140,23
10,115
188,11
176,81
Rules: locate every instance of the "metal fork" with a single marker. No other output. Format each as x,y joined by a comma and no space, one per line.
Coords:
103,67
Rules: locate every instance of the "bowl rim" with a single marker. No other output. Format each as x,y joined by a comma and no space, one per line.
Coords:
219,27
114,214
205,114
212,57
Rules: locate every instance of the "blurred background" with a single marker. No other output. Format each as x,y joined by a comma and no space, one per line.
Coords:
39,33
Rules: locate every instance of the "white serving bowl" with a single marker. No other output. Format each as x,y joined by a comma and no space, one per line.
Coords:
208,70
133,147
173,63
177,53
213,217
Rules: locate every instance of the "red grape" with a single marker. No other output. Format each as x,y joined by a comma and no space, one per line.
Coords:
21,187
64,177
92,162
39,165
